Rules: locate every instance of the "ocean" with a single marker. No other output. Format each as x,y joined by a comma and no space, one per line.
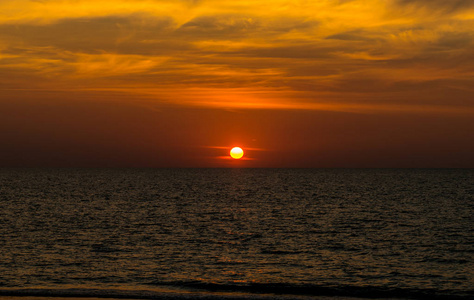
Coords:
237,233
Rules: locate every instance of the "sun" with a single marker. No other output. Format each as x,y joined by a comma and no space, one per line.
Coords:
236,153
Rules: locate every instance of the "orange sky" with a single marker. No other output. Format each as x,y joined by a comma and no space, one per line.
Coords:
161,83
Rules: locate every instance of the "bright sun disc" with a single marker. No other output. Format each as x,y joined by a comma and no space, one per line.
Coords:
236,153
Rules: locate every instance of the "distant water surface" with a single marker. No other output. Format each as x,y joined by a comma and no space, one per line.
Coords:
366,233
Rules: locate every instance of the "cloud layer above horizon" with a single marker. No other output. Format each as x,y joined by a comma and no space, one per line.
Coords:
399,55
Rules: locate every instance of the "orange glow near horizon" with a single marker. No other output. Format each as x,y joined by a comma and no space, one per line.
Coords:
330,83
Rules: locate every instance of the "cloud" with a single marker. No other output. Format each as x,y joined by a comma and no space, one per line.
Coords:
52,11
218,25
293,52
88,34
355,35
235,27
439,5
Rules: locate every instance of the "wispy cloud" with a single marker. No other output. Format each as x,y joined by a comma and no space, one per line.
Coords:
317,55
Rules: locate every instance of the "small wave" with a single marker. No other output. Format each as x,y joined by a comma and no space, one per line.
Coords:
134,294
102,248
282,252
200,290
336,291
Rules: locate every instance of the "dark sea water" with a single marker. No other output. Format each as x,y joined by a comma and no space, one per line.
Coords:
237,233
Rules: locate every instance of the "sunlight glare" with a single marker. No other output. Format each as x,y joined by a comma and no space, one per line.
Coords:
236,153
